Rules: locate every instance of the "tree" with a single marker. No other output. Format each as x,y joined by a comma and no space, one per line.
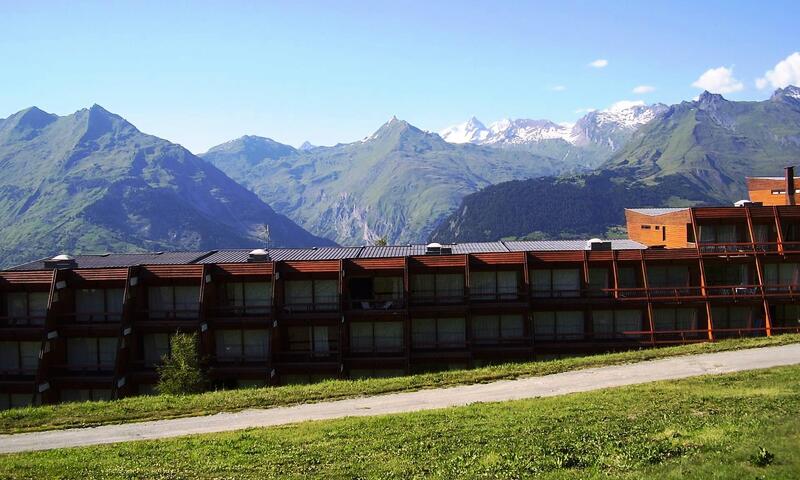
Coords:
180,372
381,242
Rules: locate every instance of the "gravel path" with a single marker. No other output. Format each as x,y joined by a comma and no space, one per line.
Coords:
547,386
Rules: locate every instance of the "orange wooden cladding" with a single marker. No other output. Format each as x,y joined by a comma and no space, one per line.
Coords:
101,274
366,264
173,271
515,258
244,269
434,261
761,190
547,257
39,277
319,266
669,230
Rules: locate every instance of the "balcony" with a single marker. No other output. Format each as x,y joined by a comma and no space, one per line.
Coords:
240,311
438,297
378,302
91,318
495,295
23,321
309,304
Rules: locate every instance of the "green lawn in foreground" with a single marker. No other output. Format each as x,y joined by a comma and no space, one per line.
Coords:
705,427
166,406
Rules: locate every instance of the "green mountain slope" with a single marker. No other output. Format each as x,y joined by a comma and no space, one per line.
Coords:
693,153
398,183
91,182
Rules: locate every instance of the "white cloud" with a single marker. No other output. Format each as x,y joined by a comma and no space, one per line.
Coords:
786,72
558,88
599,63
624,105
718,80
644,89
585,110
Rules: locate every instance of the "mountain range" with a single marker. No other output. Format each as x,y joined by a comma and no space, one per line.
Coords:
92,182
398,183
690,153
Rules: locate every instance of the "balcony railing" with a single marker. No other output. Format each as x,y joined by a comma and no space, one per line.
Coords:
307,356
176,314
241,310
319,303
18,371
96,368
379,302
556,293
495,294
729,247
738,332
26,321
228,360
734,291
91,317
438,297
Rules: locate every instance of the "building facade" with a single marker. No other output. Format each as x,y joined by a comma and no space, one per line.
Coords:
95,326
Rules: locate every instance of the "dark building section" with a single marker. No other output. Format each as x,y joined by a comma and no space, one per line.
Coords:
95,326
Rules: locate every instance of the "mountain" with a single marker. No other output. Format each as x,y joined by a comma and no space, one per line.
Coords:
584,145
397,183
92,182
696,152
307,146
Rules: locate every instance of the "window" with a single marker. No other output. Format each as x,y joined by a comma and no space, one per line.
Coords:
778,276
19,357
443,332
96,353
734,318
496,328
27,308
310,295
565,282
155,346
248,297
613,323
787,315
645,227
689,233
14,400
381,337
242,344
598,282
319,340
99,305
180,301
498,285
388,288
85,394
439,287
559,325
671,319
728,274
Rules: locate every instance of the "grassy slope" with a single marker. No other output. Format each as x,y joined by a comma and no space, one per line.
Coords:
706,427
164,406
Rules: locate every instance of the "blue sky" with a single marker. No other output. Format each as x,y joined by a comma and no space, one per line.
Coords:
201,73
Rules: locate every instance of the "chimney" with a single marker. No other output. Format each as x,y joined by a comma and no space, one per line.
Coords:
790,186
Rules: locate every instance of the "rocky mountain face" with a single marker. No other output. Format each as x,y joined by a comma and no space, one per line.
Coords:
92,182
690,153
397,183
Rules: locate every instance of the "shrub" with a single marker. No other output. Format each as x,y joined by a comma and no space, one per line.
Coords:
180,372
763,458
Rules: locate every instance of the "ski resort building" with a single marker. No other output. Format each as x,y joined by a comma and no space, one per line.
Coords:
95,326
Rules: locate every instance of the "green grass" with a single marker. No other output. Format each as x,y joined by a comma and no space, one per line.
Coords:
135,409
743,425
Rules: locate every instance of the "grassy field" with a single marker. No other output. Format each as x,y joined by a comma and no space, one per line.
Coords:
743,425
165,406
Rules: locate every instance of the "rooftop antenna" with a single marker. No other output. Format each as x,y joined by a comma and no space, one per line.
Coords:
267,239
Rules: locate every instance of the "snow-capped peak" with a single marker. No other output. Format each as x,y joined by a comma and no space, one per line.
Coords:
471,131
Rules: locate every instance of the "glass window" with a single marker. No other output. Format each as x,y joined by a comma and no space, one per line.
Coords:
567,282
299,339
228,344
159,301
156,346
451,332
256,344
544,324
423,285
187,301
81,352
29,356
107,351
388,288
322,339
90,305
507,283
9,356
512,326
665,319
388,336
561,324
298,292
450,285
326,294
485,327
541,283
37,304
258,294
598,280
361,336
627,277
423,332
17,304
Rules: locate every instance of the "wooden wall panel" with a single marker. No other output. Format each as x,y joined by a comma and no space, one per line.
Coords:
669,230
434,261
44,277
511,258
371,264
189,272
101,274
244,269
311,266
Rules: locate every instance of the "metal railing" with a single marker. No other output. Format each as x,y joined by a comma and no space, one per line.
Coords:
319,303
92,317
378,302
438,297
495,294
23,321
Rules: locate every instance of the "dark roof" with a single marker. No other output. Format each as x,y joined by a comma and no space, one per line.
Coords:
112,260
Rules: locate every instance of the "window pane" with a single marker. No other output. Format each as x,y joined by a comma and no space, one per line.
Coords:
540,283
567,282
38,304
326,293
90,305
234,294
321,339
9,356
388,287
450,285
570,324
627,277
187,301
229,343
258,294
388,336
108,351
508,283
159,301
603,323
512,326
598,278
484,284
115,297
361,337
422,283
664,319
628,320
544,324
29,356
17,304
686,319
485,327
452,331
298,292
81,352
299,339
423,332
256,344
156,346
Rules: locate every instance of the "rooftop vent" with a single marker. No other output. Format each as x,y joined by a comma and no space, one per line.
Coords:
259,255
437,249
596,244
747,203
61,261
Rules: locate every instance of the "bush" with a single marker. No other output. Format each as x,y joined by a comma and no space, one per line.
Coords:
180,372
763,458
